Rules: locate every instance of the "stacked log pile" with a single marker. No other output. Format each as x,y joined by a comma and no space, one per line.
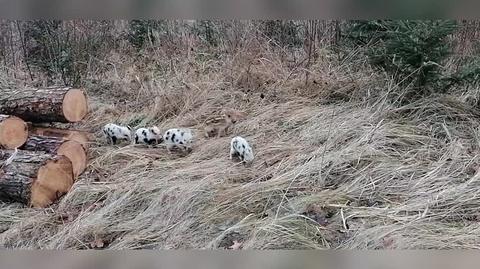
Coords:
38,165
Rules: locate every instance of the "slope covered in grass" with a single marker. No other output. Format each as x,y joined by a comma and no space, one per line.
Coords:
339,164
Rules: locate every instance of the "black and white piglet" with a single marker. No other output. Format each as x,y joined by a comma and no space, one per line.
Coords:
180,138
240,147
114,133
148,136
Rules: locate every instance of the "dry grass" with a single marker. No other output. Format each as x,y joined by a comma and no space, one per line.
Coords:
337,164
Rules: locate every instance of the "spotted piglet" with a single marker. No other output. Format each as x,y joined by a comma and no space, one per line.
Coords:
180,138
240,147
114,133
148,136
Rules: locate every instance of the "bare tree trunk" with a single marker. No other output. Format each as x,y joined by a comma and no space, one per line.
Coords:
53,104
33,178
81,137
24,48
58,146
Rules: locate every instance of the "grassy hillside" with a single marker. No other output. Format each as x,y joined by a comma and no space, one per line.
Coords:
339,162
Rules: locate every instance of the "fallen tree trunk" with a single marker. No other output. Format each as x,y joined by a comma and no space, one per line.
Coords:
52,104
13,132
73,135
59,146
34,178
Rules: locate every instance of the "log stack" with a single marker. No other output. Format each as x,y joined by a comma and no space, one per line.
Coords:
40,164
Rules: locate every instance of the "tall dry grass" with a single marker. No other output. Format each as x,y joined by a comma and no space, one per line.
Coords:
339,164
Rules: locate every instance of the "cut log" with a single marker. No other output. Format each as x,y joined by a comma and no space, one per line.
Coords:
34,178
13,132
52,104
59,146
73,135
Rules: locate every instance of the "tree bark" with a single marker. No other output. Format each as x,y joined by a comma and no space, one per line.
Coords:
59,146
81,137
52,104
34,178
13,132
